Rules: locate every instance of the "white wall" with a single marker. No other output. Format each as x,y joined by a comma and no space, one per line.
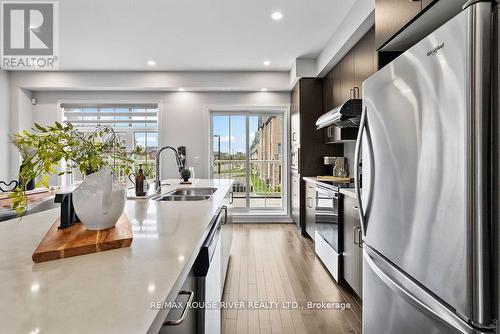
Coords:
4,126
179,108
184,119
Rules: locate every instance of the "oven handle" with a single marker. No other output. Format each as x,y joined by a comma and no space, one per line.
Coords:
330,193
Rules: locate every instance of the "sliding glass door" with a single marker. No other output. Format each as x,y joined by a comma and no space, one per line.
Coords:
248,147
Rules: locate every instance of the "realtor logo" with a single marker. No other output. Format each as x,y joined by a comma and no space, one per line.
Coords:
29,35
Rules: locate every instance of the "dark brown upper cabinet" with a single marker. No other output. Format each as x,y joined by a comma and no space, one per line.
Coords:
331,91
392,15
365,60
346,76
356,66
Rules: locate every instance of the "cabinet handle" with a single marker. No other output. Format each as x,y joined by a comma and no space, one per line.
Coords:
184,312
294,136
354,233
231,197
309,203
355,90
224,208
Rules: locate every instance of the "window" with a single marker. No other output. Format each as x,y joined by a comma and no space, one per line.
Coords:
249,149
126,119
135,123
147,140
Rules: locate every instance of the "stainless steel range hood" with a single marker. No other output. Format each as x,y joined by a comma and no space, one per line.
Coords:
344,116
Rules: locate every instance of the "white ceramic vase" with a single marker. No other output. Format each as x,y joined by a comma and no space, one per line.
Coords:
99,201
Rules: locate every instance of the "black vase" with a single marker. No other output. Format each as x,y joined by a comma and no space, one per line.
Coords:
30,185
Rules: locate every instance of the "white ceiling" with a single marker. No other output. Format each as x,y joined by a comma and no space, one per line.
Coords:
194,35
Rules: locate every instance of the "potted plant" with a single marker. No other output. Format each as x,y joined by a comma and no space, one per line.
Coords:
91,152
185,174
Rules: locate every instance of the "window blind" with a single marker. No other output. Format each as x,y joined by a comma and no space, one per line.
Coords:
135,116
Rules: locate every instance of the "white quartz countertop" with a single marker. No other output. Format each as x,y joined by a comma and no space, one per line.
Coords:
351,192
107,292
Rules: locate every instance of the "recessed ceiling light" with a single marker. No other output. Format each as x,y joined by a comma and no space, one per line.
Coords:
276,16
151,63
181,89
266,63
263,89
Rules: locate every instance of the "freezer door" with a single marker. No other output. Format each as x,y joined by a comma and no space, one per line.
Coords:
415,154
393,304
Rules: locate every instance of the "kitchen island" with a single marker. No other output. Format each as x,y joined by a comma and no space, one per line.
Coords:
107,292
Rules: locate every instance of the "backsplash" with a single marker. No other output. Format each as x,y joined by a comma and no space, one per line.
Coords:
349,149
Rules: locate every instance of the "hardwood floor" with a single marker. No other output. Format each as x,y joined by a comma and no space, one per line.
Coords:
272,262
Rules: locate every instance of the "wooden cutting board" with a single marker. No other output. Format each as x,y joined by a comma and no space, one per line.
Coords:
77,240
334,179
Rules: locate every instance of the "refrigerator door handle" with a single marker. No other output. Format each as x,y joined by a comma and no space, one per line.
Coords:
357,184
412,293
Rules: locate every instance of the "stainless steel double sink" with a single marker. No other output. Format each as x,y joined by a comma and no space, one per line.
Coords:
187,194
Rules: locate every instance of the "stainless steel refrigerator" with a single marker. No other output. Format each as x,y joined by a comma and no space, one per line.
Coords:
426,199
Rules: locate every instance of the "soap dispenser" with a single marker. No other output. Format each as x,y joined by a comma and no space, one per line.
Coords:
140,182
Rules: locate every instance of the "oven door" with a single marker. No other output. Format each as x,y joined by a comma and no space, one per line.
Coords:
328,244
327,216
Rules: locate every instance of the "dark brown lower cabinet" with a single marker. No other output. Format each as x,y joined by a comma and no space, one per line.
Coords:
353,246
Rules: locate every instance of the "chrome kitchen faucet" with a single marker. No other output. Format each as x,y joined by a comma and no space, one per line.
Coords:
178,159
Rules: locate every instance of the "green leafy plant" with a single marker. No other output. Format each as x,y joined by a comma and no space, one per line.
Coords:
185,174
87,151
25,150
